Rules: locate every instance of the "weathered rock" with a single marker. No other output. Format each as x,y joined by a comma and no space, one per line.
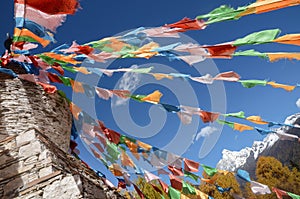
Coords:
34,141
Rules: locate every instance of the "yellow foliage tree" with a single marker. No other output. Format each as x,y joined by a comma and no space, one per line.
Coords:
224,181
148,190
271,172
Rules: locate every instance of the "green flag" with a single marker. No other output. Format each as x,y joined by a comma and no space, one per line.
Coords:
173,193
112,150
294,196
70,69
123,138
191,175
252,83
240,114
223,13
209,170
230,124
65,80
251,53
142,70
51,61
24,38
137,97
261,37
188,189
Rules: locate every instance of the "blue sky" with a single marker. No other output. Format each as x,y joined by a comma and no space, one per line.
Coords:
100,19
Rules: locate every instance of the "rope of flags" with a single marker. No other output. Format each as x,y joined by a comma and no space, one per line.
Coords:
185,113
36,22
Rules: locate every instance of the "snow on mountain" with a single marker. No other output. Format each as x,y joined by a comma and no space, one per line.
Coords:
269,146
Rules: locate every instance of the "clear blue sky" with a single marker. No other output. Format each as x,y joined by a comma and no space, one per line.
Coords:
106,18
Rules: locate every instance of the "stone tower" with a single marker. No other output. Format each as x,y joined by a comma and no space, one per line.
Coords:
34,142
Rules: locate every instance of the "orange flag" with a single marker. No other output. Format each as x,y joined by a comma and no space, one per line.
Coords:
143,145
75,110
256,119
83,70
159,76
77,86
28,33
285,87
116,170
269,5
133,148
69,59
153,97
293,39
126,160
277,56
242,127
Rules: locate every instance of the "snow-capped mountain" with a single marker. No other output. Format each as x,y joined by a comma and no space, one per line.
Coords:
285,151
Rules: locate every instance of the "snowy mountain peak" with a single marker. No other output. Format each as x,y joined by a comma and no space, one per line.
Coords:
247,157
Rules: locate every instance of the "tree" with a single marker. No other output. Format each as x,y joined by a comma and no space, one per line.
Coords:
224,181
271,172
148,190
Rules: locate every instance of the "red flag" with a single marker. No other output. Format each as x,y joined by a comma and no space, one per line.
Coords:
54,78
48,88
176,171
73,145
208,116
121,93
221,50
121,183
164,186
111,135
156,189
52,6
190,165
58,68
187,24
139,191
99,147
85,49
279,193
176,183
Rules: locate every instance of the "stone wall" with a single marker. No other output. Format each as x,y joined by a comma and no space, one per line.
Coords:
34,140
